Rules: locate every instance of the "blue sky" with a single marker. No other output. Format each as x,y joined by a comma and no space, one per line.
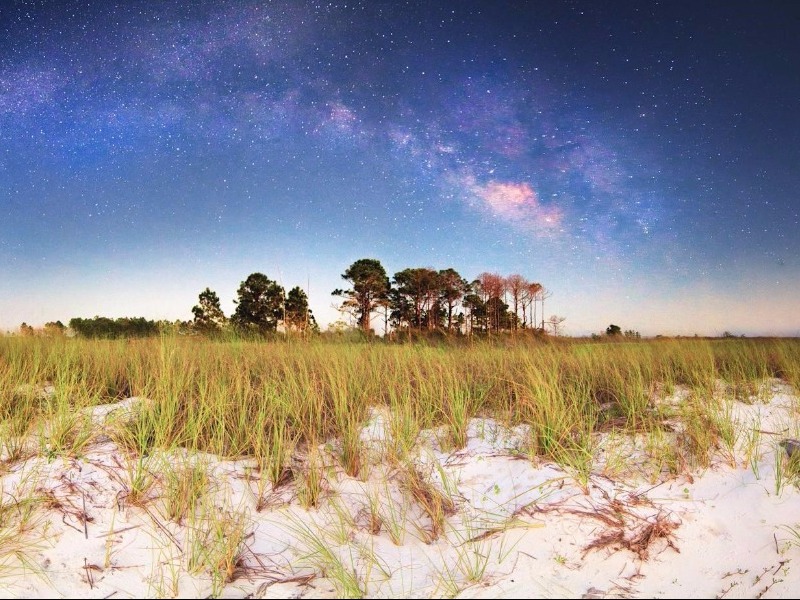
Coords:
639,162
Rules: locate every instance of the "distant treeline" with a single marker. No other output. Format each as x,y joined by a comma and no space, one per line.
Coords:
103,327
415,301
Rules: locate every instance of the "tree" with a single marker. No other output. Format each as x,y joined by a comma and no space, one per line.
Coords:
530,296
613,330
476,309
370,288
208,315
104,327
54,329
418,289
26,330
555,322
452,289
299,316
491,287
543,295
517,285
259,306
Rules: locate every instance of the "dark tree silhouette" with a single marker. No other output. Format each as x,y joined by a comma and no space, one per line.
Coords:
299,316
370,289
613,330
452,289
476,309
491,288
259,307
208,315
104,327
417,289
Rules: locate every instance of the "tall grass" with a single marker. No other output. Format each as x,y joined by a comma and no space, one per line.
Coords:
267,400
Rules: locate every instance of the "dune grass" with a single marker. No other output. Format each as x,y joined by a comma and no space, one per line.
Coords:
269,400
299,410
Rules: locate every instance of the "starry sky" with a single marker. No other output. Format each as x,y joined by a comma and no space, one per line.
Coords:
638,159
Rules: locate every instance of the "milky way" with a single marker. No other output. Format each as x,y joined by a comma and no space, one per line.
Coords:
637,156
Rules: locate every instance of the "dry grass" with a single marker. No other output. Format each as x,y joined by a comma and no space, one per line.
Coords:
298,410
239,398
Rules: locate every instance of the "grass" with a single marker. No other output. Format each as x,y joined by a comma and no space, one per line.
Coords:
297,410
185,484
217,542
240,398
324,556
23,529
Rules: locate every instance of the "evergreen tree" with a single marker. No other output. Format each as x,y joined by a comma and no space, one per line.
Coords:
299,316
259,306
208,315
452,289
370,289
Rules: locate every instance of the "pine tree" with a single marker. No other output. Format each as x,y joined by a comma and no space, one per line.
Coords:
259,307
208,315
299,316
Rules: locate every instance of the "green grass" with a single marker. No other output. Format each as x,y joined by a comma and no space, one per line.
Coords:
266,399
297,409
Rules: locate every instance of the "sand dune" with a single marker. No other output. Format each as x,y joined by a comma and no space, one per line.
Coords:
511,526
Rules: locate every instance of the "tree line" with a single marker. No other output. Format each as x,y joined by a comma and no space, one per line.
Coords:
261,306
419,299
424,299
414,300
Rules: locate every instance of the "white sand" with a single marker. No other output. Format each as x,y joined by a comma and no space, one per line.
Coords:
520,529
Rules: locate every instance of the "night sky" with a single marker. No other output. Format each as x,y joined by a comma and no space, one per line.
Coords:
640,160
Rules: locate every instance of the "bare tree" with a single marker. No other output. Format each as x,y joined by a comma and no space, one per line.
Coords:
543,295
555,323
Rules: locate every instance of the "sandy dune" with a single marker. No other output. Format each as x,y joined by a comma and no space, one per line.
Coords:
517,528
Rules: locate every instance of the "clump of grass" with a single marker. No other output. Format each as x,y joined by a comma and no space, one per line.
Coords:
66,428
392,515
217,543
404,425
140,482
184,486
311,482
664,452
23,528
435,503
708,427
753,448
318,553
787,468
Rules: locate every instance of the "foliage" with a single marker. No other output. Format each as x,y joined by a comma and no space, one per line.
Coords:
54,328
415,298
260,304
613,330
208,315
370,288
452,288
104,327
299,317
